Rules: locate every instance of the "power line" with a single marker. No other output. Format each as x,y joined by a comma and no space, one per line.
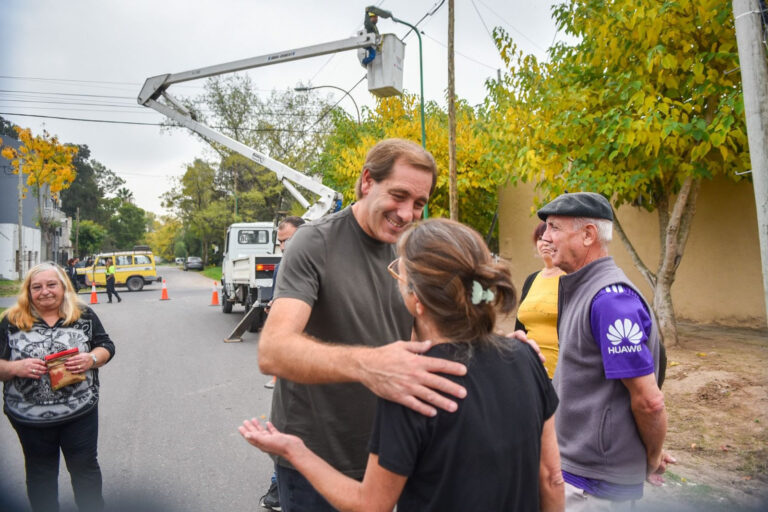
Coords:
69,94
52,102
459,53
482,21
286,130
534,43
79,119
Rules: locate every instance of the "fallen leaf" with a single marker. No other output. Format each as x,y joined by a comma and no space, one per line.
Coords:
746,478
693,446
701,354
674,363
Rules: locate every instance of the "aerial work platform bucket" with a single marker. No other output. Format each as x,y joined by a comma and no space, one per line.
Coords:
385,72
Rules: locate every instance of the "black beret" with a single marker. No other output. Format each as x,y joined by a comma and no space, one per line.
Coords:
578,204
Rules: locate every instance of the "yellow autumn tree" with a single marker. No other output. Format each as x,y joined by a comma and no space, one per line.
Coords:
48,168
478,175
645,105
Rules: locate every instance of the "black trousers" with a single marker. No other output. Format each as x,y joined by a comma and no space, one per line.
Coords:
76,439
111,289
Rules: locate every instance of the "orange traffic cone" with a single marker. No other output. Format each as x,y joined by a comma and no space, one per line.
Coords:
164,295
94,297
215,296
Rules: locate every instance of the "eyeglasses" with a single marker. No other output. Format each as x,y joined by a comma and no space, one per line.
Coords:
392,269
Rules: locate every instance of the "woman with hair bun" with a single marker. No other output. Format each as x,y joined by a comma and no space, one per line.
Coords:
498,451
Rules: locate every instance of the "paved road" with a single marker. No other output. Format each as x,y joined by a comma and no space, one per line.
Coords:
171,401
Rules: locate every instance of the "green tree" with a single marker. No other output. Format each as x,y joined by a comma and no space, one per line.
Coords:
91,189
641,108
478,175
198,204
163,236
90,238
128,227
287,126
7,128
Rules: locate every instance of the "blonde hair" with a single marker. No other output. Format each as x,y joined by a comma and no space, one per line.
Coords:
23,314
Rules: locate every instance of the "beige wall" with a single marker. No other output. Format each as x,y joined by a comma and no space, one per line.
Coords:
719,279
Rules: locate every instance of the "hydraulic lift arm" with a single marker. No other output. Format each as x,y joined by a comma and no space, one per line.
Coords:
154,94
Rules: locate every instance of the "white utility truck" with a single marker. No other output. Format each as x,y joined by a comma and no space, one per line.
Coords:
251,251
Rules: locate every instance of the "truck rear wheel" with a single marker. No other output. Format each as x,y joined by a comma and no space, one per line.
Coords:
226,306
135,284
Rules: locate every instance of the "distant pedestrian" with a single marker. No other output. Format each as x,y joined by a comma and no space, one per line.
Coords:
72,273
111,281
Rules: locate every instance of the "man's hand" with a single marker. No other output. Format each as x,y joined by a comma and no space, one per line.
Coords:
522,336
656,469
397,372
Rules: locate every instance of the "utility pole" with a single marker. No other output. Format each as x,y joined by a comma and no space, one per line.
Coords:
754,83
77,233
20,253
453,185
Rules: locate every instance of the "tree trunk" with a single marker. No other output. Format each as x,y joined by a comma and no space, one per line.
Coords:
674,226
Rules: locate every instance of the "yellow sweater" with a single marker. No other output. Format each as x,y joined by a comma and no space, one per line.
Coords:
538,312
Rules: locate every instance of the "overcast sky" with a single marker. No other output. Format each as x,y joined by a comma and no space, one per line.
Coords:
87,59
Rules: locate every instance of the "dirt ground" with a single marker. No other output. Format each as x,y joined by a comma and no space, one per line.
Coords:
716,395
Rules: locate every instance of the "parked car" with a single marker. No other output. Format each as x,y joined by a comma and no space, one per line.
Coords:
179,261
194,263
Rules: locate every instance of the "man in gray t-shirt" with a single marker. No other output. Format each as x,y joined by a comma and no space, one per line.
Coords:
333,329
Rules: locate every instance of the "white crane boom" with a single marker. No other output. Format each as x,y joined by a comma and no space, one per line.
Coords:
155,90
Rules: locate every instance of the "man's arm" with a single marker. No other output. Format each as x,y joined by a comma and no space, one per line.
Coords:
647,402
394,372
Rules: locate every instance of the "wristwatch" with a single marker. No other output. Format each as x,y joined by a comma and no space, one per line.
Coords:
95,359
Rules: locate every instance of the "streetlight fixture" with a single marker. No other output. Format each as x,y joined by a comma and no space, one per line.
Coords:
381,13
305,89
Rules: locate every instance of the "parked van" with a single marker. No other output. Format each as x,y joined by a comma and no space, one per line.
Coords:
133,269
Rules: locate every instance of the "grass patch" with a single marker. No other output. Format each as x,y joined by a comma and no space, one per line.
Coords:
213,273
9,288
754,463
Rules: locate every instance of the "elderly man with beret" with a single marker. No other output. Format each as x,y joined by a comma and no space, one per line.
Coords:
611,422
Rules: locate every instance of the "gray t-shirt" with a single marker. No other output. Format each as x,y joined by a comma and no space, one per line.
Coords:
341,272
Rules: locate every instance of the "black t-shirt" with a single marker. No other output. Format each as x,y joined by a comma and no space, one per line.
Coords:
485,456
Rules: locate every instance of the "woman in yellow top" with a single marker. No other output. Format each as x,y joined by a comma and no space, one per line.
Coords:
537,314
